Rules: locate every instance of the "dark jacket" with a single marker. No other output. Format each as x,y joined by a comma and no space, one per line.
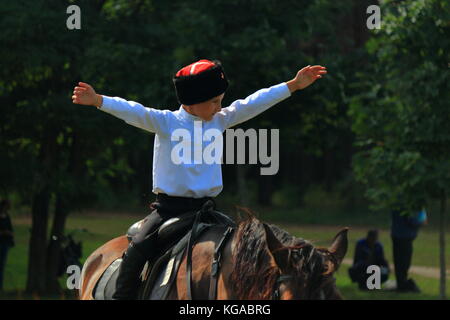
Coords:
5,225
406,226
366,256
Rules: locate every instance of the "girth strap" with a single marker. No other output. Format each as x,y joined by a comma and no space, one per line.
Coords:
215,267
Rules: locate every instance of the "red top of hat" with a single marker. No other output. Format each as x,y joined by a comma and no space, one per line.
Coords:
195,68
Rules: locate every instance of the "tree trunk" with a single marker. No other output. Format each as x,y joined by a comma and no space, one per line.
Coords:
54,246
442,247
38,243
62,209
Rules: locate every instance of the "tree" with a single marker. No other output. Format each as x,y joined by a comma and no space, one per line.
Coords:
401,117
51,147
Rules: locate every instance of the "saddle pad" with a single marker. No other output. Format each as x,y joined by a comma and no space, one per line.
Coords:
106,285
163,282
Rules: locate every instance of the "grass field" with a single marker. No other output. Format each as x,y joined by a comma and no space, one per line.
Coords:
101,227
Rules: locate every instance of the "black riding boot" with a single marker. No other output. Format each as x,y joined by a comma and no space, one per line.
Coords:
128,279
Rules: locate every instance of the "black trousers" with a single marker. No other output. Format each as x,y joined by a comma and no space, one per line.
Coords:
164,208
403,249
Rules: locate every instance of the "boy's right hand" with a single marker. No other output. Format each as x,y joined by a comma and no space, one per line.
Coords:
84,94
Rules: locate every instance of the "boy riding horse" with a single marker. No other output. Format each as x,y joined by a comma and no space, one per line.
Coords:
181,187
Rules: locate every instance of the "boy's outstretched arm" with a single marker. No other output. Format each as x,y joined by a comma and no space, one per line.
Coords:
133,113
245,109
305,77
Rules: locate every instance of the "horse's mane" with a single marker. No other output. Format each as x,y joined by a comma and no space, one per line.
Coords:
254,274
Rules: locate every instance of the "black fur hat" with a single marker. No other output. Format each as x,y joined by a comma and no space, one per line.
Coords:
200,81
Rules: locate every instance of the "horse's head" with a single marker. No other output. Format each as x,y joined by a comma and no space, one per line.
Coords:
306,272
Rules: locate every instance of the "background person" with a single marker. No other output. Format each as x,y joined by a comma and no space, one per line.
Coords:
369,251
404,229
6,237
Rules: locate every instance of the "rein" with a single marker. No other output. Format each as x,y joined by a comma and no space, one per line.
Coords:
282,278
191,242
215,267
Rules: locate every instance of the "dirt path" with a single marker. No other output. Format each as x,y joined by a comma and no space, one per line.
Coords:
428,272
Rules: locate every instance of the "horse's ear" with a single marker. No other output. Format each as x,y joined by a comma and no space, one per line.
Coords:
277,249
338,248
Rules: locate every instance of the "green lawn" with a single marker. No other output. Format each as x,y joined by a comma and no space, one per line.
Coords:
350,291
103,227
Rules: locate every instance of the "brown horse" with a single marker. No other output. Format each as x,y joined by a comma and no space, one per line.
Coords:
259,262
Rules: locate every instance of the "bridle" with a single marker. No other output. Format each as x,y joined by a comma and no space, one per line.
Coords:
276,289
276,295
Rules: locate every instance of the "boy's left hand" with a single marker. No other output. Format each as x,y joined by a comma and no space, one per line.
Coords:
305,77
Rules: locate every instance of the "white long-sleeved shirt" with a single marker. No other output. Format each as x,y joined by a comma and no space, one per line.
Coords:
189,180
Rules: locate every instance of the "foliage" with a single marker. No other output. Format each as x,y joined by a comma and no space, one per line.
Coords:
401,115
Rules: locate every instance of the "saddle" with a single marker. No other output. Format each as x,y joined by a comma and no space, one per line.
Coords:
175,239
